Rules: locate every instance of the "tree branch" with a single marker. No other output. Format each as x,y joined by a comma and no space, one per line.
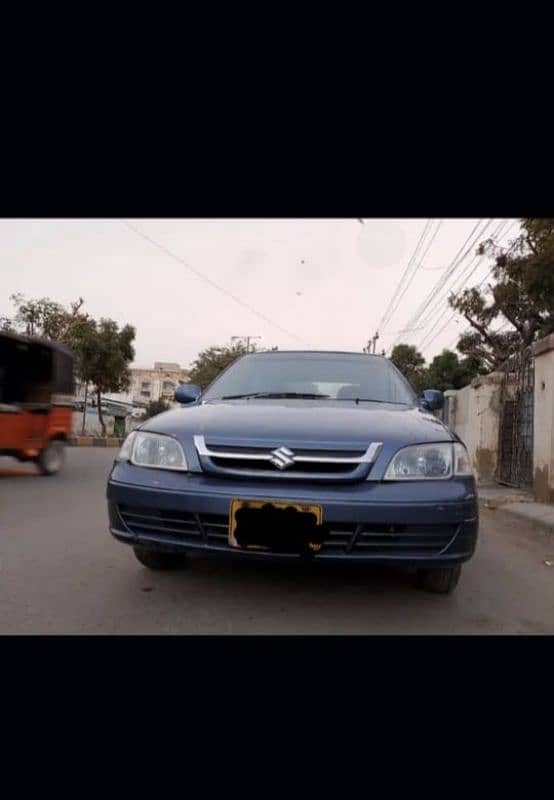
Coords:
480,329
531,245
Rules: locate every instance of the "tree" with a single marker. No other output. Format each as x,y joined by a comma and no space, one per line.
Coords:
522,295
411,364
210,362
155,407
47,318
104,353
447,371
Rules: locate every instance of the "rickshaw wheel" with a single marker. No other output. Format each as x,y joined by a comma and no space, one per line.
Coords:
51,458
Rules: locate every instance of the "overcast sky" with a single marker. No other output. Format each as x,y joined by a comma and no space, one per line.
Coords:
317,284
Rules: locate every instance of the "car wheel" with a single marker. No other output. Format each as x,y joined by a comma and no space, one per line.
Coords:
51,458
440,580
155,559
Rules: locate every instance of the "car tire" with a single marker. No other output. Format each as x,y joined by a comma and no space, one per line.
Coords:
439,580
51,458
157,560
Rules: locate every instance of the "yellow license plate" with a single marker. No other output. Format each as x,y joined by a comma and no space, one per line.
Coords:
239,503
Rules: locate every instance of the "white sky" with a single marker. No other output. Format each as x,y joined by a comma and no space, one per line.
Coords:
347,278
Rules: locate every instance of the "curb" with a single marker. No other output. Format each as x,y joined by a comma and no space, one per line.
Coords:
95,441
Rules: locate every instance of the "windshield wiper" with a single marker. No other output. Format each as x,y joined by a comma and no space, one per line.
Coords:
272,395
371,400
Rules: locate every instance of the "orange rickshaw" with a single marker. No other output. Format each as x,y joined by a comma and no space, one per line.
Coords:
36,400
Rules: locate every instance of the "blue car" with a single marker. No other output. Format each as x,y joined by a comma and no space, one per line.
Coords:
300,455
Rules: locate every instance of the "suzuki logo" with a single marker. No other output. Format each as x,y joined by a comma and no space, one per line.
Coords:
282,458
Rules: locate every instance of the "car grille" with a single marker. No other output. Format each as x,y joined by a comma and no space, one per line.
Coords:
340,538
296,464
387,539
182,527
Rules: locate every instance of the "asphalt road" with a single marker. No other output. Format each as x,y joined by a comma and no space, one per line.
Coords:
62,573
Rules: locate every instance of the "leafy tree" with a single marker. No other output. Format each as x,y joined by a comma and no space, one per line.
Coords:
155,407
104,353
210,362
447,371
47,318
522,295
410,362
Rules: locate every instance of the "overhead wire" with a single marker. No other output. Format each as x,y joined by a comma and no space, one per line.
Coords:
426,342
389,309
465,275
469,270
454,264
418,266
209,281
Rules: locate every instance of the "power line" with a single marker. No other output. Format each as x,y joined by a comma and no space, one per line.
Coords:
386,316
466,274
208,280
418,266
458,258
425,343
464,278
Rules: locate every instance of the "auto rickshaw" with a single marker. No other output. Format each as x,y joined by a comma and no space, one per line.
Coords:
36,400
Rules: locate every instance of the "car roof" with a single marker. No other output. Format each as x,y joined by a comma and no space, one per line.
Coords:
314,352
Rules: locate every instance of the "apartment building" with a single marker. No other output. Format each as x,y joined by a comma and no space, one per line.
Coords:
158,383
146,384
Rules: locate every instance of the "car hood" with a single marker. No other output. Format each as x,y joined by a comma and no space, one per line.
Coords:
312,423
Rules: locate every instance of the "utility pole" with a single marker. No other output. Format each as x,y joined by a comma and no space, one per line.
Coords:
84,409
247,338
370,347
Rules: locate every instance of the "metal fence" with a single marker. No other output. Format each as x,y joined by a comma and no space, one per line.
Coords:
515,445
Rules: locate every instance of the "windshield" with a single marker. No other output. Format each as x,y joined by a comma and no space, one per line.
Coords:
333,376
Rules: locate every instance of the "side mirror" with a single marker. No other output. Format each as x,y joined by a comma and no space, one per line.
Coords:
187,393
432,399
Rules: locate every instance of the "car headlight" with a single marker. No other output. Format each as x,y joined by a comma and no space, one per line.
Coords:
153,450
428,462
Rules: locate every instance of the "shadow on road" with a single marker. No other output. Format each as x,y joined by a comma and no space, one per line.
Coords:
321,578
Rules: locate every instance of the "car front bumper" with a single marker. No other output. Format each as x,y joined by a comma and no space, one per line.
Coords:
423,523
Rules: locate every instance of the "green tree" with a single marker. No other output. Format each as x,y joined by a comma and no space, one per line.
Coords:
155,407
521,294
210,362
410,362
104,353
47,318
447,371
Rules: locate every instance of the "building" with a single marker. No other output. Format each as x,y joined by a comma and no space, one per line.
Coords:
146,385
156,384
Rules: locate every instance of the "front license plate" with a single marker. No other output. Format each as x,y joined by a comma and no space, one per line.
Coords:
272,524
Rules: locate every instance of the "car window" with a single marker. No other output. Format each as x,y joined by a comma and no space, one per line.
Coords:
338,376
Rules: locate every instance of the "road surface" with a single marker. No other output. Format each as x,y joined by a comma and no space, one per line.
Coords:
62,573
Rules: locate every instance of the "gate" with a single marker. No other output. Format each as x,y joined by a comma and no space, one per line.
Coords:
515,446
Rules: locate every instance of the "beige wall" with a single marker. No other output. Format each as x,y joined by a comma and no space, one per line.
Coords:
474,416
543,449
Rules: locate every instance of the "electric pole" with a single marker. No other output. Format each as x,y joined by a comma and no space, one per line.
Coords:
370,347
247,338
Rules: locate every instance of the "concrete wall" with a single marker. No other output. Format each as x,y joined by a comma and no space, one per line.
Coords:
543,434
474,414
92,424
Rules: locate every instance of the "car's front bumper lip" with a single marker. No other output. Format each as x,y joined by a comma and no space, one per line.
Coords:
446,503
